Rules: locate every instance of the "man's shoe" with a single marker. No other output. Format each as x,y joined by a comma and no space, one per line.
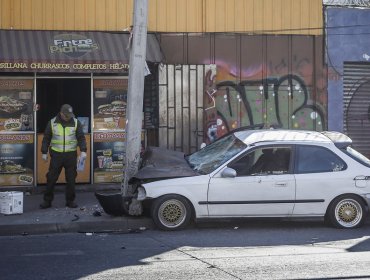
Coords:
45,204
71,204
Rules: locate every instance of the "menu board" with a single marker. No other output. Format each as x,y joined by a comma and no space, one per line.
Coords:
16,105
110,97
108,161
16,159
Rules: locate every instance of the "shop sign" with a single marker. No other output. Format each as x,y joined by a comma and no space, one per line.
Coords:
73,45
70,52
16,159
38,66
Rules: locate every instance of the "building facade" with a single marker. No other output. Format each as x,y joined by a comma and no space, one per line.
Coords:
215,65
348,59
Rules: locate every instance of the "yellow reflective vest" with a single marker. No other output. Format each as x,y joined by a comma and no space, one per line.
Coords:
64,138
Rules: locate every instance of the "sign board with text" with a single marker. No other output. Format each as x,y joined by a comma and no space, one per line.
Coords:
16,159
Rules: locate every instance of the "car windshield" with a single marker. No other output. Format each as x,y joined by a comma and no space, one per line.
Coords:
357,156
212,156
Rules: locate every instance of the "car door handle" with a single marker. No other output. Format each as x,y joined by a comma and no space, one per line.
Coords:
281,184
362,177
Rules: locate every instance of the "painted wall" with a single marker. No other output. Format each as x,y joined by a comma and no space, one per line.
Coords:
347,40
257,16
270,80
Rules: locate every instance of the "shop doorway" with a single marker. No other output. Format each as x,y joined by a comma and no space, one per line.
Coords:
51,94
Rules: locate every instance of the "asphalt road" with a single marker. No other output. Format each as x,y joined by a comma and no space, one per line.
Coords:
234,250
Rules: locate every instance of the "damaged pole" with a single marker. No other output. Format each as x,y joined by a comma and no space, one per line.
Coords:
135,93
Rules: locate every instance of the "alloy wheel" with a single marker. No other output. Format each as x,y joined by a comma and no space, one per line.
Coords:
348,213
172,213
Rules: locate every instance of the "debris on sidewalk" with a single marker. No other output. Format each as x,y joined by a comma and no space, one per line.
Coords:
89,218
97,213
76,218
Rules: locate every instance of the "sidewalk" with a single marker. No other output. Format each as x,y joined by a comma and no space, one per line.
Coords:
89,217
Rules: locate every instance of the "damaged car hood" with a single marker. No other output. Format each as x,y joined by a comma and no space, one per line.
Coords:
159,163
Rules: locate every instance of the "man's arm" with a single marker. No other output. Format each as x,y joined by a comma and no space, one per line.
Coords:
47,139
81,140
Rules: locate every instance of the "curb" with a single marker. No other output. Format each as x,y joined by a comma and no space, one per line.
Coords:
126,225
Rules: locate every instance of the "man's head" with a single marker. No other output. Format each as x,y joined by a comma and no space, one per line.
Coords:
66,112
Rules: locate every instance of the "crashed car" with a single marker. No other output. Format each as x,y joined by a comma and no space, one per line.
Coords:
258,173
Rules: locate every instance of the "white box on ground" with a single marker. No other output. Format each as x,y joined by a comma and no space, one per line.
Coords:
11,203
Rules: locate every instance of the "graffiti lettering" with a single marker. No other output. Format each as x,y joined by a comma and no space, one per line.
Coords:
283,102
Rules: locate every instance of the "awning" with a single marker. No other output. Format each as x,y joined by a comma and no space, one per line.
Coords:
72,52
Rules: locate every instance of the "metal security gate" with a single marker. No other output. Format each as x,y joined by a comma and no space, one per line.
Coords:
356,94
181,110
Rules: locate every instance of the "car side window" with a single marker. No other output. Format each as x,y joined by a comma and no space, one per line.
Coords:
313,159
243,165
263,161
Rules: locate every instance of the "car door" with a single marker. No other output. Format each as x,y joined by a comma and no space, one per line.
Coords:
263,185
320,175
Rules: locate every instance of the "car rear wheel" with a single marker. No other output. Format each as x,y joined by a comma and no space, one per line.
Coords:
347,212
171,212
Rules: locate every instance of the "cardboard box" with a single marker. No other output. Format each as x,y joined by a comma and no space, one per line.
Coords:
11,203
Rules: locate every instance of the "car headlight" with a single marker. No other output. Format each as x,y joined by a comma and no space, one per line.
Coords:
141,193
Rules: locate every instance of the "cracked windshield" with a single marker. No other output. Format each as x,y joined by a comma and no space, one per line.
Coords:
212,156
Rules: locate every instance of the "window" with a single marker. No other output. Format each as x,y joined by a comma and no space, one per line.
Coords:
262,161
312,159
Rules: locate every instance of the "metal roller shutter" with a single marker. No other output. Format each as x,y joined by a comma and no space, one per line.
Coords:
356,100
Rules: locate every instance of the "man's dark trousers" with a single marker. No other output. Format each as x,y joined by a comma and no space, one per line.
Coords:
68,160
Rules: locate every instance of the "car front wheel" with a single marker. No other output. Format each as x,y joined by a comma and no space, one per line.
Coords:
171,212
347,212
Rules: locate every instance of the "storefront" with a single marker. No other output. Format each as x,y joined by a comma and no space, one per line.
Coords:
40,71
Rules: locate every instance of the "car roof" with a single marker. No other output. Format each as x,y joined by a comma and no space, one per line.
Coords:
271,135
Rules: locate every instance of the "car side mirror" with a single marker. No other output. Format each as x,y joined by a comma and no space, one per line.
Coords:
228,173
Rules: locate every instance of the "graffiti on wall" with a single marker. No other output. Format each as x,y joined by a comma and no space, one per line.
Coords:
284,101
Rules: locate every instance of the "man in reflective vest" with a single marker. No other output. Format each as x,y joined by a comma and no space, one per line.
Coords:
62,135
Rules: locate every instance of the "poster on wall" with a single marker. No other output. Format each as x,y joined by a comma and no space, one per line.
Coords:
109,156
16,159
16,105
110,97
108,161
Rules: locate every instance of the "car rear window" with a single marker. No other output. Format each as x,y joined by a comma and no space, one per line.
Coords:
314,159
357,156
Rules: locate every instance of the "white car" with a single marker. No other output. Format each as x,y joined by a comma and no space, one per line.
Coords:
258,173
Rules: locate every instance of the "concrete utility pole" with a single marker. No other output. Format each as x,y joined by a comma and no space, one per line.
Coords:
135,93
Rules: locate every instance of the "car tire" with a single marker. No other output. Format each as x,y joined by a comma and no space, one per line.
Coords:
171,212
347,211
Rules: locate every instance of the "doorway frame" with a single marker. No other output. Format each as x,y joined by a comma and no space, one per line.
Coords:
37,77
